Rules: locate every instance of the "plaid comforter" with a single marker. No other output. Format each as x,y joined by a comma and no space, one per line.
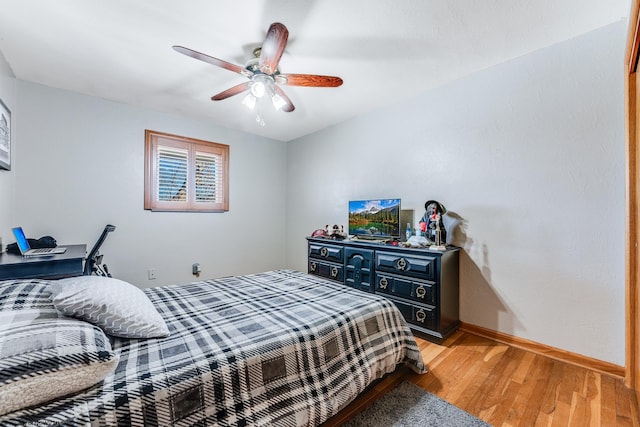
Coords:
277,348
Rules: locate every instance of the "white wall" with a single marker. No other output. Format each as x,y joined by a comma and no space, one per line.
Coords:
7,178
80,165
530,155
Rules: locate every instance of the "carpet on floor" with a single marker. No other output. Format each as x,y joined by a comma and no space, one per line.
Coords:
409,405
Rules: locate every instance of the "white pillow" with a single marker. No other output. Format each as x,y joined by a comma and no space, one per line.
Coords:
118,307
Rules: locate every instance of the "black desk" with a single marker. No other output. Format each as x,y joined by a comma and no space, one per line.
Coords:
68,264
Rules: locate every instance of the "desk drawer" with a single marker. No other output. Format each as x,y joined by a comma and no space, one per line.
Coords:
404,287
68,264
422,267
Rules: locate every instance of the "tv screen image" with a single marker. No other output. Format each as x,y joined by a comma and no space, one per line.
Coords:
375,218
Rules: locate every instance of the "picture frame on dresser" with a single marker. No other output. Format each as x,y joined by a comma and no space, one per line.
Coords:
5,136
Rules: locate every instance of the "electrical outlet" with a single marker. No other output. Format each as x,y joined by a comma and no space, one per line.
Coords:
152,273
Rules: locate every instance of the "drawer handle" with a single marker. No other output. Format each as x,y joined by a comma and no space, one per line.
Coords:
383,283
324,252
334,271
313,266
401,264
421,315
421,292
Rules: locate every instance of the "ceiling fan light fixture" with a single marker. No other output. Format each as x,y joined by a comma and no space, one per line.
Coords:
258,89
249,101
261,84
278,102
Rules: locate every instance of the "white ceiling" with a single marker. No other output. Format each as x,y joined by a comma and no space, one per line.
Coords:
385,50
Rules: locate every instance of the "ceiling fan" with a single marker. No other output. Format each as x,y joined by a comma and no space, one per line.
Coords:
264,76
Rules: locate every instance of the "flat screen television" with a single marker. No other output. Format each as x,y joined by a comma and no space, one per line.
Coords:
375,218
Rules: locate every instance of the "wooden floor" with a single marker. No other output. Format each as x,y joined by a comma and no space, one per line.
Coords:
506,386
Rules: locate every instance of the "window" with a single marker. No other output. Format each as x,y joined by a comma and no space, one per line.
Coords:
185,174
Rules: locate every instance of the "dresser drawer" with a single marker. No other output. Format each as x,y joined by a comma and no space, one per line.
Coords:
423,267
327,252
328,270
418,315
404,287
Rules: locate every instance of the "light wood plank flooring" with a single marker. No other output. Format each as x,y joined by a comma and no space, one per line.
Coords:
507,386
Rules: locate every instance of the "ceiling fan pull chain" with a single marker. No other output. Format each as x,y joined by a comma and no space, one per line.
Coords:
259,118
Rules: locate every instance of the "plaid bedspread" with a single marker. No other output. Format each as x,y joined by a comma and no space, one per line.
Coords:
278,348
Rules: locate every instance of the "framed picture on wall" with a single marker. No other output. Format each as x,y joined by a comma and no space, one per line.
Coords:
5,137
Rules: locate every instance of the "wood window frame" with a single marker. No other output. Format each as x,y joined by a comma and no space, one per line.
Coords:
155,139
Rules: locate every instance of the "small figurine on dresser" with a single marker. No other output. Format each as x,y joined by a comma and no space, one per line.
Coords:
432,226
336,232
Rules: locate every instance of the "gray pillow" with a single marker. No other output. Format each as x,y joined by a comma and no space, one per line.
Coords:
118,307
44,356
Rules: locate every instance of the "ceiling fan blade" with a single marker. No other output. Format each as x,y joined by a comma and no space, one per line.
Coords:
288,106
214,61
273,47
310,80
231,91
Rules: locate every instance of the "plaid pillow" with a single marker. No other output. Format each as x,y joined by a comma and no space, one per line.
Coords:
44,355
21,294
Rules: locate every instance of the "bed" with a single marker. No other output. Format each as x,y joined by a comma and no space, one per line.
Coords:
275,348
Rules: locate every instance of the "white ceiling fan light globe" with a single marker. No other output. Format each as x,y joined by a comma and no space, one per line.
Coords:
278,102
258,89
261,84
249,101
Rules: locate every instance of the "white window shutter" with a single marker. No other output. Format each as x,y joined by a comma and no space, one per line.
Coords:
209,175
172,174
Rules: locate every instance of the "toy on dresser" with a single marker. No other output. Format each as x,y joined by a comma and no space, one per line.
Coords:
336,232
432,226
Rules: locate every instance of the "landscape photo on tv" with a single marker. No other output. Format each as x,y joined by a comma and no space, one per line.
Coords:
379,218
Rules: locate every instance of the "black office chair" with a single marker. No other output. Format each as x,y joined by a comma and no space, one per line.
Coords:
94,265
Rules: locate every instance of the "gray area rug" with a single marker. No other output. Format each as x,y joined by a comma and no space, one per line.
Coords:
409,405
